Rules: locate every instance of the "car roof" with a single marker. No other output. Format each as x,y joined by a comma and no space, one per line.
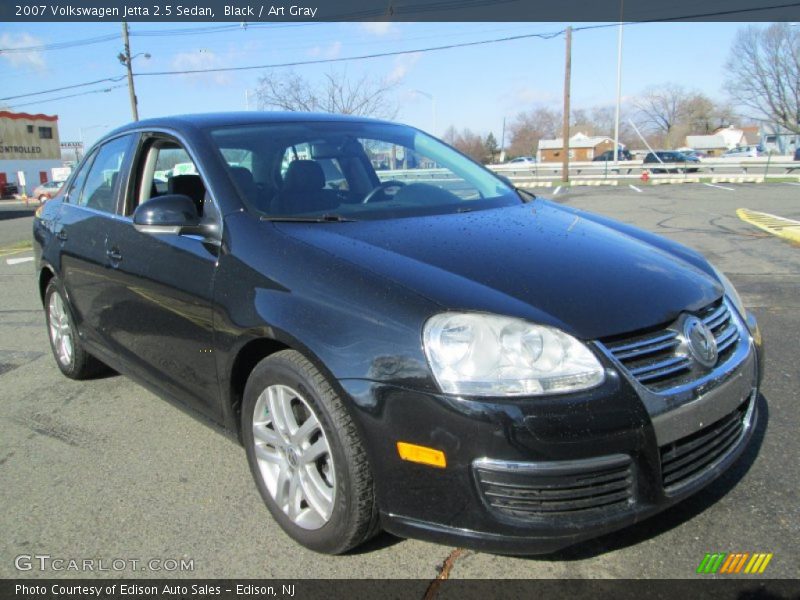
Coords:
223,119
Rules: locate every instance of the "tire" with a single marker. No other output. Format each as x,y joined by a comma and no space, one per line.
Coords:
71,358
327,503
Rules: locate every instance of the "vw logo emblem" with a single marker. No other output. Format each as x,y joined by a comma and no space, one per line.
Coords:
700,341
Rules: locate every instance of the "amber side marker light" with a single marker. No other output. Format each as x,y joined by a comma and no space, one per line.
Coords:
422,455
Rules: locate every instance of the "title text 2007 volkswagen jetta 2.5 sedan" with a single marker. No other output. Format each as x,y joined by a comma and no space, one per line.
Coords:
399,338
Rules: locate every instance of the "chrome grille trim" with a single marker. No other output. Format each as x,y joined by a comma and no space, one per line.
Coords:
577,489
660,360
694,457
661,368
649,346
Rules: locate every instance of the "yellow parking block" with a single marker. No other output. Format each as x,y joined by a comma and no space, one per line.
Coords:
15,248
779,226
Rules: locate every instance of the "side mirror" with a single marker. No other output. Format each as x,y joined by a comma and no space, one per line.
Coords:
172,213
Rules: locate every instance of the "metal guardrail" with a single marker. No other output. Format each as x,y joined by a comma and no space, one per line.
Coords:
751,168
762,167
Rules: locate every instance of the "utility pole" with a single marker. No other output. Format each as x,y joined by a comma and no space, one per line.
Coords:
565,128
619,92
503,143
125,59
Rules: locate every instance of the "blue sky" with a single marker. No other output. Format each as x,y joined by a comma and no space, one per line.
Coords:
474,87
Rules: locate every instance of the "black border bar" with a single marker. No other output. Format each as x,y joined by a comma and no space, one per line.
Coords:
252,11
738,588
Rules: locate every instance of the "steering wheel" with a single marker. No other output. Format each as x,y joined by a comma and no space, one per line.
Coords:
380,188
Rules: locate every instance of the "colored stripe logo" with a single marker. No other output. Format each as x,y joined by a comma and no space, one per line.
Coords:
734,563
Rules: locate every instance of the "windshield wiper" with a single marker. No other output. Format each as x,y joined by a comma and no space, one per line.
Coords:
330,218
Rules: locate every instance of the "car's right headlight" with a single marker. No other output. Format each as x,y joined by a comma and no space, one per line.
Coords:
489,355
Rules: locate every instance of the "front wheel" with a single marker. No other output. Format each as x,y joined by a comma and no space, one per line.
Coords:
306,455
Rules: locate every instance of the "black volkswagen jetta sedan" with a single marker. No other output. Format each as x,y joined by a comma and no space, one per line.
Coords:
399,338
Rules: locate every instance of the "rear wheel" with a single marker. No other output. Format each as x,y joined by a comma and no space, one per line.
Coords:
71,358
306,456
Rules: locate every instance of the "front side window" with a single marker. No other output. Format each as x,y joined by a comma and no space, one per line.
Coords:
99,190
354,170
46,133
167,168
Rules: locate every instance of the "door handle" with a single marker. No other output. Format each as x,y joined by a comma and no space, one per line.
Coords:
62,235
114,254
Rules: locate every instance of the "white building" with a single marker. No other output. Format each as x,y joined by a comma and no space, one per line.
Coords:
28,144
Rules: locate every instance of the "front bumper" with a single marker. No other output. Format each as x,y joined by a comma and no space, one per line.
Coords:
536,475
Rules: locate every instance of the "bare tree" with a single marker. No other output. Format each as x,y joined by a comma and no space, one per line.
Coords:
764,73
466,141
662,109
704,116
364,96
529,127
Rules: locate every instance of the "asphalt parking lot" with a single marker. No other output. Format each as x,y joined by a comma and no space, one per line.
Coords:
105,470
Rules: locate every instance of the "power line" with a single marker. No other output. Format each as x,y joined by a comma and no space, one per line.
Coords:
214,29
59,45
296,63
66,87
363,16
544,36
103,91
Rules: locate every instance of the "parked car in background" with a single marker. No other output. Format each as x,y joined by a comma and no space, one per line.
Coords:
622,154
46,190
8,190
744,152
693,153
524,160
445,358
672,160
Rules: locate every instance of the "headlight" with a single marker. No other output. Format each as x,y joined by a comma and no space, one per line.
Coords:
731,293
487,355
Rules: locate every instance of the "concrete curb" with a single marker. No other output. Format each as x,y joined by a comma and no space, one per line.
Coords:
594,182
536,184
674,180
737,179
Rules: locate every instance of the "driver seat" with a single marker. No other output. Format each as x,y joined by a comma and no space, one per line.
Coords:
304,190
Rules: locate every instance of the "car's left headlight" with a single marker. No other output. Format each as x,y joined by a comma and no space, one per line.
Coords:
489,355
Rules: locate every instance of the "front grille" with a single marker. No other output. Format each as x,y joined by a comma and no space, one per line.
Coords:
691,457
659,359
532,491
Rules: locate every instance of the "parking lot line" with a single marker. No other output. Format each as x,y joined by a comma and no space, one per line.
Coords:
16,261
555,192
722,187
634,188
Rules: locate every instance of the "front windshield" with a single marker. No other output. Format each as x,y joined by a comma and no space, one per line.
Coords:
353,170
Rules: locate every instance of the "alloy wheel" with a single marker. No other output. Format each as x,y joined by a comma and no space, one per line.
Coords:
60,330
294,456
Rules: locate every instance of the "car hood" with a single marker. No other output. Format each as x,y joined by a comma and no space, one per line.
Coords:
537,261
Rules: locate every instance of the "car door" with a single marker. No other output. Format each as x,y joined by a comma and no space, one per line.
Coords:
162,319
81,227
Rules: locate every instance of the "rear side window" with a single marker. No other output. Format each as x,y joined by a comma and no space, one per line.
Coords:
99,190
